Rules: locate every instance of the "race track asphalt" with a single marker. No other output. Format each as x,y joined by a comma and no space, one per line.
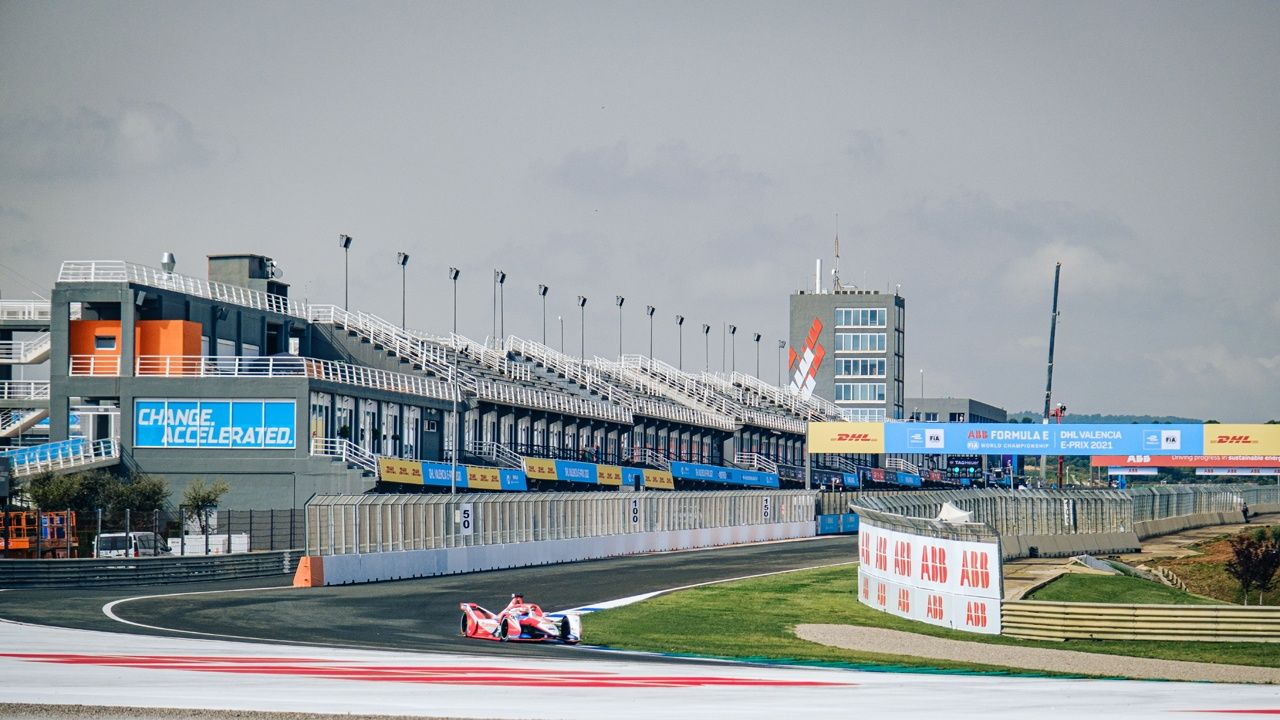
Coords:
413,615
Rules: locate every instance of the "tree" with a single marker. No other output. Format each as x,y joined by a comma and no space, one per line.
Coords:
1255,559
141,494
201,498
56,492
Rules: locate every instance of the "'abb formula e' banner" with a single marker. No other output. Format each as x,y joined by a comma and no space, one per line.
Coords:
952,583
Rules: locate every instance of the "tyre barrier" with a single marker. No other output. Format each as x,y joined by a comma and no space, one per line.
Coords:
144,570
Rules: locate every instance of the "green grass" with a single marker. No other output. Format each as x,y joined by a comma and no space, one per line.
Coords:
1121,589
754,619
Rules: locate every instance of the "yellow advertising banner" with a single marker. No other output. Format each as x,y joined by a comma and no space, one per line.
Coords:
1241,439
658,480
540,469
609,475
846,437
400,471
483,478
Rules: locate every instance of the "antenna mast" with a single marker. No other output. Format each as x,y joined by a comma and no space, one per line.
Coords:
835,272
1053,330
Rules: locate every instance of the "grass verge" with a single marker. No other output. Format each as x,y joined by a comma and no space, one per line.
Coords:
1120,589
755,619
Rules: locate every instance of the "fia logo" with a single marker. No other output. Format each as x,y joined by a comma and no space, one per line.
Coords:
935,439
933,564
904,601
902,558
933,610
1170,439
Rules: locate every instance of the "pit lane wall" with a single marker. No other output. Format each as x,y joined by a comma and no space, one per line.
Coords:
945,574
371,538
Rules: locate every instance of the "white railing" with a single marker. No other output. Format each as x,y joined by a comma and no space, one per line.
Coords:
649,456
490,358
33,310
13,422
755,461
667,410
66,455
508,394
87,365
121,271
495,452
894,463
571,369
688,386
282,366
24,390
815,408
25,352
347,451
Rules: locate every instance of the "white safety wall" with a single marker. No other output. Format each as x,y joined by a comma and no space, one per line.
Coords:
951,583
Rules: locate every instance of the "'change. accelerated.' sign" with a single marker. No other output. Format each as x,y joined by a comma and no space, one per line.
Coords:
231,424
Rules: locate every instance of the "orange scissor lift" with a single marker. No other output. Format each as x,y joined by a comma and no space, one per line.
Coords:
56,534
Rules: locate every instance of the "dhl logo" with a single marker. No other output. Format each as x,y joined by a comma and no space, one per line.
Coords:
882,553
974,569
933,564
933,607
902,558
1235,440
975,614
880,594
904,601
852,437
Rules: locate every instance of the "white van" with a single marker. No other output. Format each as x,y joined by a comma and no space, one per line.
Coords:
136,544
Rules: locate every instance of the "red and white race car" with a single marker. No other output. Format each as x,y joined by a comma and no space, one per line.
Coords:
520,622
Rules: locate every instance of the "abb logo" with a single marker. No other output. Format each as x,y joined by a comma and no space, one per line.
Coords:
904,601
975,614
933,610
933,564
866,588
902,558
882,553
974,569
880,594
1236,440
864,549
977,434
852,437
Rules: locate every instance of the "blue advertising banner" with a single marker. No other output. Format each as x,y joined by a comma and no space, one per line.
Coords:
1030,439
717,474
632,477
514,480
574,471
437,474
231,424
909,480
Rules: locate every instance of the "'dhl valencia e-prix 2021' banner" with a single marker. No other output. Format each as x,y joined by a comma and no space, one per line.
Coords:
1041,439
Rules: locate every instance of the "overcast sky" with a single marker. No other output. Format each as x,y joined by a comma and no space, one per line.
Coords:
692,156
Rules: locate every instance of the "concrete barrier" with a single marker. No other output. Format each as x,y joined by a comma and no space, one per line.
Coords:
375,567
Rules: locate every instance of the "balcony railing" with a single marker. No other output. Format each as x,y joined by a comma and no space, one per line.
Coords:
347,451
63,455
755,461
495,452
24,390
121,271
25,352
649,456
89,365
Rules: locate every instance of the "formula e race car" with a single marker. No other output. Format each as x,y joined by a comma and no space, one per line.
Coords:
520,622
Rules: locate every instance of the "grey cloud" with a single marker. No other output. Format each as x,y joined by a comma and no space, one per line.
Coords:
13,214
88,143
975,216
866,150
674,171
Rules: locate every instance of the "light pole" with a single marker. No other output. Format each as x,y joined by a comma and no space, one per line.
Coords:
582,328
781,344
650,310
402,259
561,319
733,357
706,346
724,345
344,242
542,293
619,300
757,337
680,332
499,278
453,275
921,382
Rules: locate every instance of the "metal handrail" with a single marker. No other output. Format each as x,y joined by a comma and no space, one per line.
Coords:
121,271
571,369
13,422
894,463
88,365
814,408
37,310
490,358
68,454
347,451
495,452
24,389
649,456
686,387
25,352
509,394
756,461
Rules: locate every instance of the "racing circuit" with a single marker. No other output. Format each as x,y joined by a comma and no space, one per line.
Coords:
393,648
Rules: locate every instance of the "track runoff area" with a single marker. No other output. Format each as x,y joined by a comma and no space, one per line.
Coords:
393,649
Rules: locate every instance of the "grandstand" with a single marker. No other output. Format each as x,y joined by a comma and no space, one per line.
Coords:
186,378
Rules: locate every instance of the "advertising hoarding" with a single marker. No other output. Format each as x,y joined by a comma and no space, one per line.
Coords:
227,424
1027,438
1185,461
847,437
717,474
1241,439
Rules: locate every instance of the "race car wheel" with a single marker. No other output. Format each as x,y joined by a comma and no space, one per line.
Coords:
466,625
564,628
502,629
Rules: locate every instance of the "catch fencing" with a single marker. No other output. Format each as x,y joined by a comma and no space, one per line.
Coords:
355,524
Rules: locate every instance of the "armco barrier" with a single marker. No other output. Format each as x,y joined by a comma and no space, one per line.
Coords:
379,566
1036,620
144,570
